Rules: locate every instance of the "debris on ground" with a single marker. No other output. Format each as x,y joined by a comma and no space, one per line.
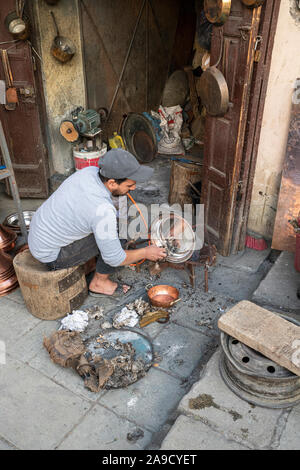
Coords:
140,306
64,347
75,321
119,368
106,325
156,315
135,435
126,317
96,312
78,320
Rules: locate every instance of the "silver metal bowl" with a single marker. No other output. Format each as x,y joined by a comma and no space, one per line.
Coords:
12,220
175,234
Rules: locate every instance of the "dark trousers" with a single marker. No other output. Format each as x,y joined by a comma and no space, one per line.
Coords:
79,252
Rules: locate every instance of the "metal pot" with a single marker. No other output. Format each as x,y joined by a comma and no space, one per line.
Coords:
17,26
175,234
253,3
212,88
163,296
217,11
62,48
12,220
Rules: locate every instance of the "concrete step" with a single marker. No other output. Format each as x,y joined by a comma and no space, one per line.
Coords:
279,288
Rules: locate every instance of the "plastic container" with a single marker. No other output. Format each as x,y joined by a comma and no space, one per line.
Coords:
84,159
116,142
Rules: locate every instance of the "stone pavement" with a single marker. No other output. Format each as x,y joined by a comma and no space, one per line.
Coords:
211,416
44,406
229,422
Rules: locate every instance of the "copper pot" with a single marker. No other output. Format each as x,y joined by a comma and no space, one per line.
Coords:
163,296
62,48
7,238
8,278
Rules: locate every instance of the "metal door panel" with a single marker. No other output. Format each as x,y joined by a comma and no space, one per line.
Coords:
22,126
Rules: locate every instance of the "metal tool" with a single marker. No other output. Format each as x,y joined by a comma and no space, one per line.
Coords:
11,91
82,123
126,59
161,316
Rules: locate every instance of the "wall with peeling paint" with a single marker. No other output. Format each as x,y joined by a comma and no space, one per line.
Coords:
285,69
64,85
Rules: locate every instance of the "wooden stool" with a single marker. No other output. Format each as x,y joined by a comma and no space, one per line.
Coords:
49,294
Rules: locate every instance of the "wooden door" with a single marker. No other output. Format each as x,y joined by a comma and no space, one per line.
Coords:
22,126
261,71
224,135
127,53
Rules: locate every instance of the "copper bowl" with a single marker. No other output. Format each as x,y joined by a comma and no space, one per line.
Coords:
7,238
163,296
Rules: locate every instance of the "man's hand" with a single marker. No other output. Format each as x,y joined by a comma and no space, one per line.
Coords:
155,253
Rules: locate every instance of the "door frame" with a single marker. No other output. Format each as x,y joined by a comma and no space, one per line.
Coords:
259,86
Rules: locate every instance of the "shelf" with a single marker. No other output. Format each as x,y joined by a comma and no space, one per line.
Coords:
4,174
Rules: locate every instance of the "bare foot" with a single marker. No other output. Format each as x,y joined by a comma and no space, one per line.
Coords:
102,284
125,288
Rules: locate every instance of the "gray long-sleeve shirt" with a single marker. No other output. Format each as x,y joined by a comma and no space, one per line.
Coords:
80,206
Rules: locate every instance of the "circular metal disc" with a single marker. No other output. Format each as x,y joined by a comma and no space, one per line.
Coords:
68,131
217,11
253,3
213,91
255,378
143,146
132,124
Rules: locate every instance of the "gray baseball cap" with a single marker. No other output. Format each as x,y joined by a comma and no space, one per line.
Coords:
118,163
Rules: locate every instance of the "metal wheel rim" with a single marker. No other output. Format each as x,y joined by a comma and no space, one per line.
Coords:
277,389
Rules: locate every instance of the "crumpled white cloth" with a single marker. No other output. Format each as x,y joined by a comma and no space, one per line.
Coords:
75,321
125,318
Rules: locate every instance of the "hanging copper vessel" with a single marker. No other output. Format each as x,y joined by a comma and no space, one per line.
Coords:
8,278
7,238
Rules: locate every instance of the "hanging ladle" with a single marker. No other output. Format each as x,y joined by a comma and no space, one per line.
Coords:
62,48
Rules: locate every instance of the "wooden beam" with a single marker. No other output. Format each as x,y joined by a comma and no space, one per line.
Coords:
265,332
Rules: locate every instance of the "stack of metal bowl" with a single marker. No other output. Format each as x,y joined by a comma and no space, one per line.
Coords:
12,221
7,238
8,278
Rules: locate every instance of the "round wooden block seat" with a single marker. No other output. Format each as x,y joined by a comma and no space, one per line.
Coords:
49,294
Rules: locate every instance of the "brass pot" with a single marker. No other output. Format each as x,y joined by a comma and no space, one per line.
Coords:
253,3
163,296
217,11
